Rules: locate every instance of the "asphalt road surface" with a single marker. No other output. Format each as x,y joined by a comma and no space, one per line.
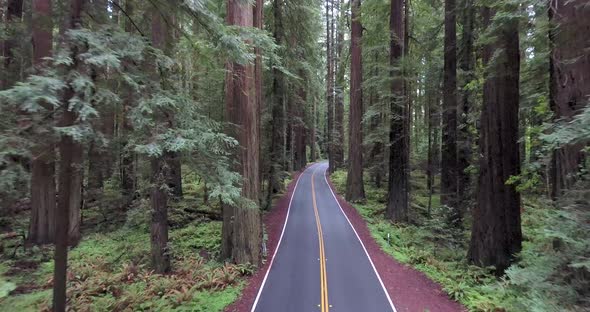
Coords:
320,263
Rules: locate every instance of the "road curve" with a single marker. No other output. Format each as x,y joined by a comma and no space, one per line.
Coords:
320,264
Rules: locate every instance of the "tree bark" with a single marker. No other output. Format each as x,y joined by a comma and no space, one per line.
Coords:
330,89
242,227
338,78
496,233
355,189
68,167
258,69
569,83
397,203
43,203
448,184
161,166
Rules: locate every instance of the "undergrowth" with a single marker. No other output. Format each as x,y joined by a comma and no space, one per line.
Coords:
551,274
110,271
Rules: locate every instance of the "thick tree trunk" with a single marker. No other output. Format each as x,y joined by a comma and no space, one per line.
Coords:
448,178
570,83
69,164
467,64
398,201
496,234
242,227
355,189
43,204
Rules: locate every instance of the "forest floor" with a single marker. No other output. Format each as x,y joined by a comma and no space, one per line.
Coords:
109,270
438,251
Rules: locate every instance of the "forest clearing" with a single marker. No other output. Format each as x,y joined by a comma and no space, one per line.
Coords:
295,155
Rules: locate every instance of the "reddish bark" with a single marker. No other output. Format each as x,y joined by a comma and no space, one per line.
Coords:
397,204
43,204
354,182
496,233
242,229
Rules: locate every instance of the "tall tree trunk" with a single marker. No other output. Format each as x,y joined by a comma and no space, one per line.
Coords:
496,234
467,65
258,69
175,175
312,132
338,71
355,189
277,125
242,227
68,167
397,203
43,205
570,83
448,184
160,165
330,89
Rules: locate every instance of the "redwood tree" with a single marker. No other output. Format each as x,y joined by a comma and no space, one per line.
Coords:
242,227
354,182
398,201
42,224
496,234
569,82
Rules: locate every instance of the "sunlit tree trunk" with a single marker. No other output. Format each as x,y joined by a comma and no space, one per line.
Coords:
355,189
496,233
338,71
242,228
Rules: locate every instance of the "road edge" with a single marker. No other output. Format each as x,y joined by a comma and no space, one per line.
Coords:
411,289
274,222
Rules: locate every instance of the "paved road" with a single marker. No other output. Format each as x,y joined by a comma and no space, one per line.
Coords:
320,263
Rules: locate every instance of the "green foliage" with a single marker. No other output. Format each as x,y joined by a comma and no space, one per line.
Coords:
111,272
551,274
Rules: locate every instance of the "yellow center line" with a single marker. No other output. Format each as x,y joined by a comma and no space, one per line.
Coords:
324,306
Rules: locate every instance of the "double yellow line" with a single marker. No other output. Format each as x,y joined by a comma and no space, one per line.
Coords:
324,306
